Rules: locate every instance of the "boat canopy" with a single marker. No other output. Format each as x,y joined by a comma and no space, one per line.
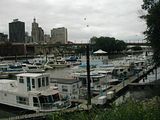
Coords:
100,52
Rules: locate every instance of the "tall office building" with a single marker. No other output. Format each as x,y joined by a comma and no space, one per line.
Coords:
28,39
17,31
59,35
47,38
41,35
3,37
37,32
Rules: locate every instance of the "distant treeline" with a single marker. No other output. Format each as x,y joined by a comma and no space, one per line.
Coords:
108,44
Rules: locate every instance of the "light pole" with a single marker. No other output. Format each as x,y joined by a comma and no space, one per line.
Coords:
88,75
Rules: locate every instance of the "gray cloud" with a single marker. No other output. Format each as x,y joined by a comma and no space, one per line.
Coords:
116,18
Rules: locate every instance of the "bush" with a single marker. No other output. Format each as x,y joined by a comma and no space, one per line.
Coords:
131,110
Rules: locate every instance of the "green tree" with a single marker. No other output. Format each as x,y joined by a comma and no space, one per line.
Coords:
152,32
108,44
120,45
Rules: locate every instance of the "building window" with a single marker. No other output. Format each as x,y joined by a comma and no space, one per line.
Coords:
33,83
22,100
43,81
39,82
47,81
21,80
64,88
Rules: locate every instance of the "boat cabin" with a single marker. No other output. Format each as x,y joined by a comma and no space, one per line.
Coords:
31,91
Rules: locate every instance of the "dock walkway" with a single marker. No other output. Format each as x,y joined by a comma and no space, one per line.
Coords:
122,86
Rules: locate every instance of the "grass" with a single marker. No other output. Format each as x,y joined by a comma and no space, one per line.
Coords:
131,110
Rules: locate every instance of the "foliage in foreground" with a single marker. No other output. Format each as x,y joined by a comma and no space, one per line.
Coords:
145,110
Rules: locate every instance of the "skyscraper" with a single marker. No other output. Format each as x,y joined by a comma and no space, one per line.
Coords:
3,37
37,32
59,35
17,31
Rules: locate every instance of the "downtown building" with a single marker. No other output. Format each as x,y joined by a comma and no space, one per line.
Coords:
37,33
17,31
47,38
3,38
59,35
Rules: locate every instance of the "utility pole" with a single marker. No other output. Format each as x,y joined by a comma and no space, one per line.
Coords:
88,76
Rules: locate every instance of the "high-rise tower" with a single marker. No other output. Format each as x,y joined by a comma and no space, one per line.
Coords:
59,35
17,31
37,32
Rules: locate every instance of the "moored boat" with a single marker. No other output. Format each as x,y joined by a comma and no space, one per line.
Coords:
31,91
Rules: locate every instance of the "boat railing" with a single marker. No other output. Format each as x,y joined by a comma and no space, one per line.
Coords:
56,105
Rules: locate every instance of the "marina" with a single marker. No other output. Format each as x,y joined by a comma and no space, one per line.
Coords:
69,83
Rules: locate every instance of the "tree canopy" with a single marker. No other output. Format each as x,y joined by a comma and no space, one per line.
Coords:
108,44
152,32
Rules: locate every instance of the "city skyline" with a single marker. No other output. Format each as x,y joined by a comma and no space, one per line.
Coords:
83,19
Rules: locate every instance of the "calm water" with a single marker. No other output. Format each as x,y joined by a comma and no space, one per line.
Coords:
60,73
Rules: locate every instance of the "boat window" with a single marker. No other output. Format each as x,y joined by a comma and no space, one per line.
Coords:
28,84
32,67
33,83
21,80
55,97
35,102
121,70
74,86
64,88
41,99
47,81
43,81
95,79
22,100
50,62
84,81
39,82
50,98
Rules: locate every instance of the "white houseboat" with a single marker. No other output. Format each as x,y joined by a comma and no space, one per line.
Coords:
67,87
31,91
98,81
60,63
29,68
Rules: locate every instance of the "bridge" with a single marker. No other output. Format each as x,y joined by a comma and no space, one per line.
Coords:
138,43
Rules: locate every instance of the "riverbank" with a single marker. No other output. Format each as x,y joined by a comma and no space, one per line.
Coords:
131,110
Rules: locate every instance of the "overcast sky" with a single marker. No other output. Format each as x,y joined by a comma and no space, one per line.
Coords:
82,18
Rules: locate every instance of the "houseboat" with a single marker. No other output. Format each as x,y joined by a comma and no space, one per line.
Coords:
29,68
31,91
67,87
57,63
98,81
10,69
